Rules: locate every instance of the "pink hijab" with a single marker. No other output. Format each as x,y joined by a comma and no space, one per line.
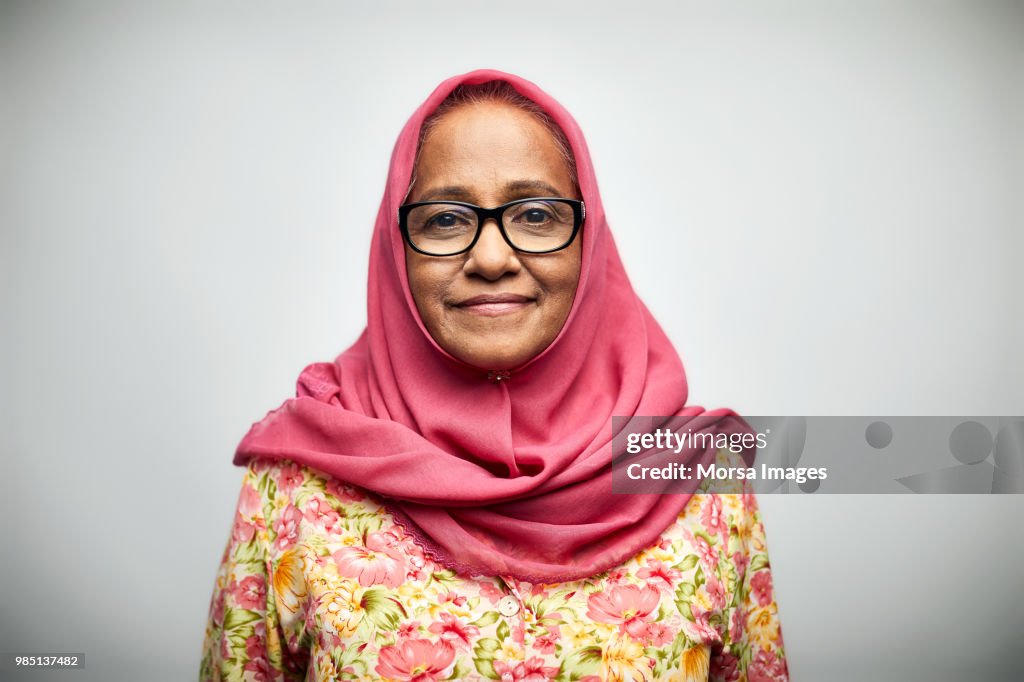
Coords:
509,478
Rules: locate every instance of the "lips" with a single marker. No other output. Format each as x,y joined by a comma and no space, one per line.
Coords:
494,304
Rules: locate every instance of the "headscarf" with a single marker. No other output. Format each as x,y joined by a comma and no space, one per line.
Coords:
508,478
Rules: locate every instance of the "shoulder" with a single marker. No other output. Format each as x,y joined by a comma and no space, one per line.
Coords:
714,507
284,481
302,505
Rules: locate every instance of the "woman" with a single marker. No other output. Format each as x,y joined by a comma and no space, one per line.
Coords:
435,503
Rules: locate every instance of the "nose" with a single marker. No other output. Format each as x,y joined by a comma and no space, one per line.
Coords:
491,257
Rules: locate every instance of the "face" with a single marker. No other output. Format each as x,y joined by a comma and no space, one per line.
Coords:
489,154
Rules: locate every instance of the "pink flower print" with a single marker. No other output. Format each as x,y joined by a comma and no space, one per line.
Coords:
254,647
530,670
708,554
243,531
738,624
260,668
418,569
741,561
388,542
492,593
454,631
453,598
321,514
374,564
255,651
343,491
394,543
249,501
385,539
225,648
767,667
546,643
628,605
405,543
407,629
250,593
287,527
291,478
416,660
716,591
712,517
761,586
659,574
700,630
218,609
616,575
725,666
658,634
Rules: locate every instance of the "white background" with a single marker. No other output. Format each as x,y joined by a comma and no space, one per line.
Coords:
821,202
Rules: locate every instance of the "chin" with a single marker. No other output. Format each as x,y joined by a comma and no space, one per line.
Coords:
486,357
496,361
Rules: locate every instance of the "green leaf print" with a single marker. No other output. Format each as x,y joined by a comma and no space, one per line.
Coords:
237,672
462,670
239,635
267,488
350,658
237,617
711,539
684,609
583,662
383,611
685,591
503,631
364,524
446,578
249,553
485,648
687,563
758,562
485,668
489,618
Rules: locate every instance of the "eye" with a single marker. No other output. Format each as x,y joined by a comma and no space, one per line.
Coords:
539,215
443,220
536,215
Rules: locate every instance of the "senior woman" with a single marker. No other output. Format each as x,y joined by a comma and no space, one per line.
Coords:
436,503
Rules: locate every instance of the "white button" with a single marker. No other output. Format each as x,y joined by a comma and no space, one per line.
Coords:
508,606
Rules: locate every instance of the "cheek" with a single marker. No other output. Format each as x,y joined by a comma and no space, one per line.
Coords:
428,282
561,283
570,272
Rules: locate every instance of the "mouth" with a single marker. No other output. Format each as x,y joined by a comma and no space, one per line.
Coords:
495,304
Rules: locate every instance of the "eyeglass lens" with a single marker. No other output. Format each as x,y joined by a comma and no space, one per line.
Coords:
532,226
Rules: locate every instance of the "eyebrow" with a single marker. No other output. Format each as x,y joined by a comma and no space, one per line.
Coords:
517,189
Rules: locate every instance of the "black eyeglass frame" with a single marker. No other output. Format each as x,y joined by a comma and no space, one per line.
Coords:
579,212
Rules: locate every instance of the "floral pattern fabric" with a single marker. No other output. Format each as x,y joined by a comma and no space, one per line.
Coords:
318,582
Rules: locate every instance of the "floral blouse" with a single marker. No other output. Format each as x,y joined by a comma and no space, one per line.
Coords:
317,582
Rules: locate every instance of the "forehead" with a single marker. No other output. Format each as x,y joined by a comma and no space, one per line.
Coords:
485,146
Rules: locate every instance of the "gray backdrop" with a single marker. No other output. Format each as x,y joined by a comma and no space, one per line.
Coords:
820,201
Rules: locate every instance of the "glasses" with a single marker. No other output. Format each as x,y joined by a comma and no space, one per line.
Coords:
448,228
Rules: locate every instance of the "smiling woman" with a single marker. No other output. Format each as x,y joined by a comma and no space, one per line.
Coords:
436,503
492,305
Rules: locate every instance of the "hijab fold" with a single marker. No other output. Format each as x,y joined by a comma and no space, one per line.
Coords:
511,477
